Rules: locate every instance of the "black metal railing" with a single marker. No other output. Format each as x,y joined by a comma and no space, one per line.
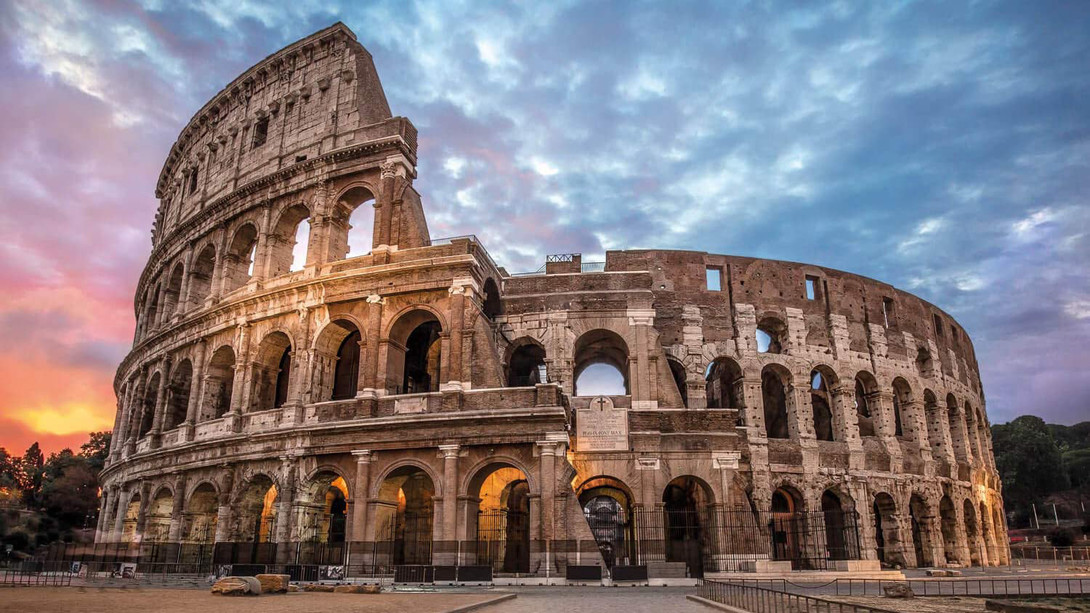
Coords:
35,573
984,587
764,600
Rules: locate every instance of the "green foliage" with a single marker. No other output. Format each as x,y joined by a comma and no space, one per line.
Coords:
1036,459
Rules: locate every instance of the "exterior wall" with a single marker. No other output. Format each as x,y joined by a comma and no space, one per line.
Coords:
171,450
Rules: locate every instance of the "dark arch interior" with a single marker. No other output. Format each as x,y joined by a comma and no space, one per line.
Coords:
774,394
527,366
821,400
723,381
347,372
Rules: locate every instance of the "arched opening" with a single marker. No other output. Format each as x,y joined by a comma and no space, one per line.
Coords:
685,500
414,354
956,424
157,517
147,416
601,364
404,515
841,530
271,372
526,366
239,260
289,241
337,362
774,385
607,506
677,371
200,277
492,306
219,384
151,313
925,366
723,384
902,396
886,534
173,291
949,524
866,397
181,384
502,518
128,525
987,532
353,231
323,509
257,517
787,526
971,431
821,381
771,333
935,422
972,533
201,516
920,516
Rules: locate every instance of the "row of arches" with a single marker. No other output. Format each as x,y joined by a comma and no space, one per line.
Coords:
295,237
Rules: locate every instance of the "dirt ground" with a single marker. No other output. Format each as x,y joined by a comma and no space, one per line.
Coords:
115,600
932,604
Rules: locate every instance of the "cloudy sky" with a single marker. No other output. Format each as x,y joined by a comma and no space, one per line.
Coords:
943,147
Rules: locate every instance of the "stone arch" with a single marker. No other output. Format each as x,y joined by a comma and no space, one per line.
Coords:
130,517
151,308
352,232
601,346
925,365
500,518
157,516
948,523
823,380
956,424
973,534
407,463
776,383
607,502
201,513
771,334
337,360
525,363
147,414
414,351
238,262
491,306
866,403
679,376
321,506
404,511
201,274
684,500
256,509
285,236
181,386
271,371
936,421
173,290
887,533
723,384
920,516
902,398
841,532
972,432
219,383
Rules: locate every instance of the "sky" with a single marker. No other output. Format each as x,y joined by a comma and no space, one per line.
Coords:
943,147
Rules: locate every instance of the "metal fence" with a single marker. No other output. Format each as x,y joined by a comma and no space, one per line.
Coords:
1051,554
984,587
765,600
31,573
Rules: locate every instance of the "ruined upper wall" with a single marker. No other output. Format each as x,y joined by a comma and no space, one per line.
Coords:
313,96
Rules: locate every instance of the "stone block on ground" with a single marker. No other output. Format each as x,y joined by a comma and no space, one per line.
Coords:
898,590
237,586
1006,606
273,584
358,589
317,587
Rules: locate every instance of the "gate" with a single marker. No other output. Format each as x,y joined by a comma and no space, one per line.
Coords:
503,540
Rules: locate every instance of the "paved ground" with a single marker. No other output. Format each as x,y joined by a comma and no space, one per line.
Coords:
113,600
960,605
599,600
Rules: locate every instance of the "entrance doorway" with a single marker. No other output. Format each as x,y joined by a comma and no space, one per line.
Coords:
502,519
684,502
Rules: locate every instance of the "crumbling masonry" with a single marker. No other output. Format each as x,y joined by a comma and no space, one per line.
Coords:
418,404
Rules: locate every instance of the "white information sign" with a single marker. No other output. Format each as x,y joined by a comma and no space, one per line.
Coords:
601,427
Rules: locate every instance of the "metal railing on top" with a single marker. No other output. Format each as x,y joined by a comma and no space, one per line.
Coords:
764,600
984,587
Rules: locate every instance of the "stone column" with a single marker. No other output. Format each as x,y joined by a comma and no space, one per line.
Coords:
196,391
123,498
547,467
135,412
361,495
370,361
187,276
223,513
160,403
458,291
450,491
177,513
285,503
641,378
142,514
242,370
800,411
103,509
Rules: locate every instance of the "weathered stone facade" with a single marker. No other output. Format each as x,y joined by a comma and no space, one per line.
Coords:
391,396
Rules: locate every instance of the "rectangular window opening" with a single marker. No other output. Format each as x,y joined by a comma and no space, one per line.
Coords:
261,133
714,277
811,288
938,324
192,182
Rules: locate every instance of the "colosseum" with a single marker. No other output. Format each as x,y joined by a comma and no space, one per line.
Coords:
315,381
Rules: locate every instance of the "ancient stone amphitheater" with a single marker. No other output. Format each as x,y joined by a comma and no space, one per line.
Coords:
408,403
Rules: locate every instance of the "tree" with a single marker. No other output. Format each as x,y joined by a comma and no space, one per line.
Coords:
1028,461
70,494
11,472
96,450
32,464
